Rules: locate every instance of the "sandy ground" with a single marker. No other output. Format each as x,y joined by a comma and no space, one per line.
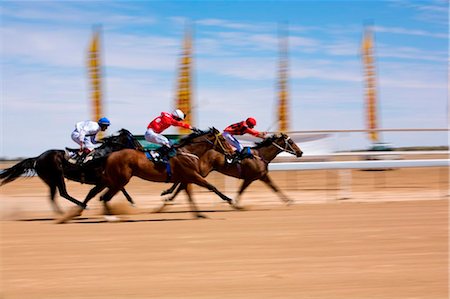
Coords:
388,239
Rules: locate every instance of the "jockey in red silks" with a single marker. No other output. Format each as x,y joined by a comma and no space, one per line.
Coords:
241,128
161,123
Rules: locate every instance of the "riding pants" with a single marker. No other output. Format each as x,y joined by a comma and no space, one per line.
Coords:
153,137
87,140
233,141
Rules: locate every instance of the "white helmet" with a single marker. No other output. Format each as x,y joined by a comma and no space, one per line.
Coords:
178,114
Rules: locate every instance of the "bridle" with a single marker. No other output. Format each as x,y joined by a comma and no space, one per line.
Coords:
217,140
286,146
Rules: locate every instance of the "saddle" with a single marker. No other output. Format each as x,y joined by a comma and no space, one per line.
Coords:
161,155
239,156
74,156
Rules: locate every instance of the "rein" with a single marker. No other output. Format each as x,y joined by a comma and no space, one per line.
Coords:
217,140
286,145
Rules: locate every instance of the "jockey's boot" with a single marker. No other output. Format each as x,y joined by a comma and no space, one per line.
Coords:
235,158
164,152
88,157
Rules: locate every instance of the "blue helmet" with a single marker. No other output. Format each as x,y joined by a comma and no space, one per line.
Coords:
104,121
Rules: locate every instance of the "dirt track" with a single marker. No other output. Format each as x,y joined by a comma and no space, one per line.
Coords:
365,247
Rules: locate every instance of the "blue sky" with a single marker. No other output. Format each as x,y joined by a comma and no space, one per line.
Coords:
45,89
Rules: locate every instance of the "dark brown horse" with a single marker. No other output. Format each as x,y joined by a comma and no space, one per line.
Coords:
122,165
52,167
250,169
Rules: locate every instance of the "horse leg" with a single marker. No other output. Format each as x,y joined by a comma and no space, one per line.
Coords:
179,189
244,186
170,190
127,196
167,200
107,197
199,180
63,192
194,209
266,179
78,210
55,206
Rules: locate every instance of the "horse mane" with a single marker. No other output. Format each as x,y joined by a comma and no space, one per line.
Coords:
111,139
188,138
267,141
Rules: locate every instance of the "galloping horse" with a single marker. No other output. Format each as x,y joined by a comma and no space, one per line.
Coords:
183,167
52,167
250,169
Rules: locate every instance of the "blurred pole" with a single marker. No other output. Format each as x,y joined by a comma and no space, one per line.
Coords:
371,96
184,89
95,75
283,93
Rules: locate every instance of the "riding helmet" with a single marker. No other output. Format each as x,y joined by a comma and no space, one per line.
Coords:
104,121
251,122
177,113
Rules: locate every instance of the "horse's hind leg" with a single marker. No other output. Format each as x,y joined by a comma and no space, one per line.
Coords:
55,206
63,192
170,190
179,189
169,199
127,196
107,197
77,211
94,191
199,180
266,179
244,186
194,208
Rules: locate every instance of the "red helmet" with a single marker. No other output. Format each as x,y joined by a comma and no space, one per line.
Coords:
251,122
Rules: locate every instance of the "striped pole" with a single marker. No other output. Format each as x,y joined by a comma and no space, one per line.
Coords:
371,97
95,75
184,90
283,95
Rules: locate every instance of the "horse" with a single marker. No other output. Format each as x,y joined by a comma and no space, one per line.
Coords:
122,165
53,166
250,169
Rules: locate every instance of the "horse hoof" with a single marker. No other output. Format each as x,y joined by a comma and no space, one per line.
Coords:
111,218
200,216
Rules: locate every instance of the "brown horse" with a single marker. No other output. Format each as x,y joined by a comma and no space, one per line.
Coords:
250,169
122,165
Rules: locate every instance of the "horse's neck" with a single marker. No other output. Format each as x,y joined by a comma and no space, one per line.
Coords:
198,149
268,153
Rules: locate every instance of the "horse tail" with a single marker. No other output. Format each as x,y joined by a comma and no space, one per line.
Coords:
26,167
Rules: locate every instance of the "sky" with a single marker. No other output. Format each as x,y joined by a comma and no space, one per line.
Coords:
45,89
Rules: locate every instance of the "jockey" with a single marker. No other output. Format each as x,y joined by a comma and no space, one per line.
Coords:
241,128
85,132
161,123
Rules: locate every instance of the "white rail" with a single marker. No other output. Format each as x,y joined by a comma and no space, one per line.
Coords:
379,164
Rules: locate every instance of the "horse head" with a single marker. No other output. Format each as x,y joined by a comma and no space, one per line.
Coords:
283,142
120,141
287,145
